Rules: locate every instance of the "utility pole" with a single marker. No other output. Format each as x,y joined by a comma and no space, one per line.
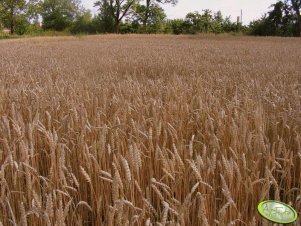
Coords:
241,16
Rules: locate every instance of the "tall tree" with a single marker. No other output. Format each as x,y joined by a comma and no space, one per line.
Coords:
200,22
10,11
275,17
194,21
118,9
286,15
156,16
218,17
284,19
296,5
105,19
59,14
149,4
34,10
83,23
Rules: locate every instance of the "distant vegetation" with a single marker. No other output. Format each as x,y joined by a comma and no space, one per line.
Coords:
284,19
35,17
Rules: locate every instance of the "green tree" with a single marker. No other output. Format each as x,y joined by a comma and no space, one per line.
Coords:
12,12
207,20
218,17
200,22
261,27
281,21
287,21
296,6
117,9
275,18
193,22
34,9
59,14
83,23
148,10
217,23
284,19
104,22
229,26
156,16
196,22
178,26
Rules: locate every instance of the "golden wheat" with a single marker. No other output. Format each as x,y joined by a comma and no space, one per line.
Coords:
148,130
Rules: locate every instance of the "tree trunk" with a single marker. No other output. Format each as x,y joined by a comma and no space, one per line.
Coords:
298,31
146,15
297,7
118,15
117,26
12,21
12,28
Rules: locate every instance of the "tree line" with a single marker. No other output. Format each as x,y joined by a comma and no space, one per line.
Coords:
284,19
138,16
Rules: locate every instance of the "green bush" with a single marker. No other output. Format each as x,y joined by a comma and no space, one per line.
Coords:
126,28
34,29
7,36
83,24
177,26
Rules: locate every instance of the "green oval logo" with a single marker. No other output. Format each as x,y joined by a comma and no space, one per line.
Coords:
277,212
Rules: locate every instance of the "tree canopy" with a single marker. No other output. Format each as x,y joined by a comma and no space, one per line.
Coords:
59,14
117,9
283,18
11,11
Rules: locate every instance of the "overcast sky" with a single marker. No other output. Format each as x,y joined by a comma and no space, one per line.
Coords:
252,9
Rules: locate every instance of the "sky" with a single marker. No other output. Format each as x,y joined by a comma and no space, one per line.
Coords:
252,9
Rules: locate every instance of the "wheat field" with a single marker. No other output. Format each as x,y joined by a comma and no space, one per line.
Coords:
148,130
